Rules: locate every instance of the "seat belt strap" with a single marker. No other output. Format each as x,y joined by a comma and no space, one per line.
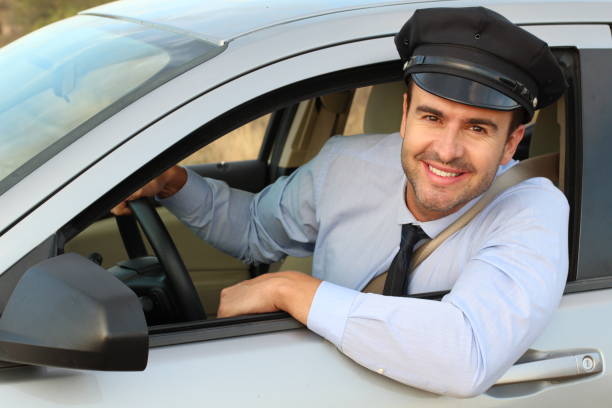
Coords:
540,166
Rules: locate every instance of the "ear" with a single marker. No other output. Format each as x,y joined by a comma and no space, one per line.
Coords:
512,143
404,115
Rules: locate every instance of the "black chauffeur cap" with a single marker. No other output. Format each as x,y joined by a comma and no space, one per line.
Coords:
477,57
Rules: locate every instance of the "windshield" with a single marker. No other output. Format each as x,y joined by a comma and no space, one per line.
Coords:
61,81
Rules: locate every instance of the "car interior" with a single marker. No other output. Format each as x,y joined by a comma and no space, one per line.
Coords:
372,109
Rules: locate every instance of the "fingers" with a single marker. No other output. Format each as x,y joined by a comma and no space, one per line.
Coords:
290,291
165,185
229,305
122,208
148,190
248,297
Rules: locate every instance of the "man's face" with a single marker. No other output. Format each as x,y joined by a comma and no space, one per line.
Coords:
451,152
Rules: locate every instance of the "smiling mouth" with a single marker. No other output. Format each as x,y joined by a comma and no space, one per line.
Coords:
443,173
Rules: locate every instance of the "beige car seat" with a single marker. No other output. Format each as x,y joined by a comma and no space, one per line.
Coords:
383,112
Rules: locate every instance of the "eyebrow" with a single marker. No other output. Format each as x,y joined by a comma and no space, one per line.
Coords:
428,109
473,121
479,121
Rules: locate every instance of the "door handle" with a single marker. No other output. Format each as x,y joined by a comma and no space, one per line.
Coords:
557,365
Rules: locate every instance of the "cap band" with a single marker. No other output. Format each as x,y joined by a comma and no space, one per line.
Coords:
432,63
464,91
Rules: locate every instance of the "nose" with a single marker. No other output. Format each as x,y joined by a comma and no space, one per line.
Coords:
448,144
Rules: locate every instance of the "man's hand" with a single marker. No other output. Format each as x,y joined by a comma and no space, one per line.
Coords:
165,185
289,291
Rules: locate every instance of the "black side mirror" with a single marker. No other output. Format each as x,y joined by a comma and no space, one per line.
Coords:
69,312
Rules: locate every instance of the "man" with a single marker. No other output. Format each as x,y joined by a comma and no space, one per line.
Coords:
473,78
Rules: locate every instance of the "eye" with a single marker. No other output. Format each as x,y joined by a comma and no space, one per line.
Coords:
431,118
477,129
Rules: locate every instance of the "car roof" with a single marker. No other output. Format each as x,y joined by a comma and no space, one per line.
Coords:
220,21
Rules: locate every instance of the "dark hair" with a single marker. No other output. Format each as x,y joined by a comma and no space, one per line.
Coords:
518,118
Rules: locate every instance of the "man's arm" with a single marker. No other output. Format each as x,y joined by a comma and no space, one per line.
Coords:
255,228
461,345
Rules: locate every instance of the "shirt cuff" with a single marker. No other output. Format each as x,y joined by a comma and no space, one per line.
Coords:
189,198
330,310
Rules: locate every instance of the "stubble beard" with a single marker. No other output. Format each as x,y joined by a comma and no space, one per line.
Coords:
441,203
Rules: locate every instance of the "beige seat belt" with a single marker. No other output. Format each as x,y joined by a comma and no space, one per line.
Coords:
540,166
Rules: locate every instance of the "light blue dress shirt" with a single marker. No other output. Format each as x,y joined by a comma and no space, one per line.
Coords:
507,268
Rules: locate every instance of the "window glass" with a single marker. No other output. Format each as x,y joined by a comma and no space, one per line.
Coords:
71,76
243,143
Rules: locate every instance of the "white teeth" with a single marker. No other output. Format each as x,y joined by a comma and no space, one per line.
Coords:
442,173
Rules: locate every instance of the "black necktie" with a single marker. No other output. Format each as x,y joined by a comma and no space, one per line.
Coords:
397,276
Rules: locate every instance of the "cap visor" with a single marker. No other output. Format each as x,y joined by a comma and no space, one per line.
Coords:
464,91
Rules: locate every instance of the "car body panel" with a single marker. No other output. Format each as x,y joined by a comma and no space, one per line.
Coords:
266,370
211,20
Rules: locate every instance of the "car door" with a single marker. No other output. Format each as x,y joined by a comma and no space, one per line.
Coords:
270,360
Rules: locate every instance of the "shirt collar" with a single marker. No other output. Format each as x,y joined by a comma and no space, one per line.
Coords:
435,227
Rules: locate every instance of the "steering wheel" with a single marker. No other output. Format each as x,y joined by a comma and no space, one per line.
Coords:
169,258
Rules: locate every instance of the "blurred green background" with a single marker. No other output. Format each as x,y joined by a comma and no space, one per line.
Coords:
19,17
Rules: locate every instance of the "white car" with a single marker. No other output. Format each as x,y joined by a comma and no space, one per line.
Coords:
96,105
